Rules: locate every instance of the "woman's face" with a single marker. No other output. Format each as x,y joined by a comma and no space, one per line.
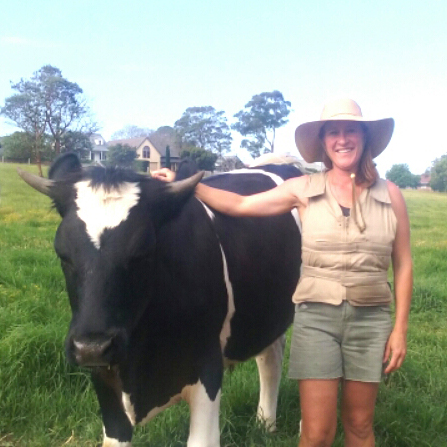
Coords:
343,142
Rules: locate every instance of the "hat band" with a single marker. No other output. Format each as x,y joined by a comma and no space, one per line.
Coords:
334,117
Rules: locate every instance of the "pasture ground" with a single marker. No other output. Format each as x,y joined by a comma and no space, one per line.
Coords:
45,402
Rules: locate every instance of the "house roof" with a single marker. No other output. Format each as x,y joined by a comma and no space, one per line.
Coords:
98,147
132,142
158,144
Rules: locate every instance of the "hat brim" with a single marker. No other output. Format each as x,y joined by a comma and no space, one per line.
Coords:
307,136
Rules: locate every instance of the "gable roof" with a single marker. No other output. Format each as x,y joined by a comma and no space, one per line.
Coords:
98,147
159,144
132,142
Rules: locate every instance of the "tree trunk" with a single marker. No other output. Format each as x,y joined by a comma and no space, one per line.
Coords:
39,162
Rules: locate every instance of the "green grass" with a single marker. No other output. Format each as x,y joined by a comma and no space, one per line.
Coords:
45,402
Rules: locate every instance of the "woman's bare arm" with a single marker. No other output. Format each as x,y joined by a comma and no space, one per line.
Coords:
403,282
278,200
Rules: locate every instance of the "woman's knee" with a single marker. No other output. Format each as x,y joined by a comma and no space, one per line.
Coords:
314,435
360,426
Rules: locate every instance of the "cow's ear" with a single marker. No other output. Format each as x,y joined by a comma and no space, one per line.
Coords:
64,166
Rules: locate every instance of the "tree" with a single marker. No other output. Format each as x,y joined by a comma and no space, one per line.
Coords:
19,146
26,109
50,102
76,141
65,107
438,173
131,131
400,175
205,159
168,158
121,155
204,128
262,115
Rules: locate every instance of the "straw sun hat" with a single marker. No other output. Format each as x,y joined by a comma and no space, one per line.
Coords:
307,134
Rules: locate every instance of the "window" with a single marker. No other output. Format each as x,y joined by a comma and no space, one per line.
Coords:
146,152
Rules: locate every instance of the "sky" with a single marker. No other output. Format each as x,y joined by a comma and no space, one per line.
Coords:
144,62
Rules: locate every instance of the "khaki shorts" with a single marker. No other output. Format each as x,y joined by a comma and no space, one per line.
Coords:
344,341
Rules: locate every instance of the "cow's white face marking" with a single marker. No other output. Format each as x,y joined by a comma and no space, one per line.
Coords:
101,209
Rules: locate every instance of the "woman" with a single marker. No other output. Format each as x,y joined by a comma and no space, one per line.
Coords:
353,225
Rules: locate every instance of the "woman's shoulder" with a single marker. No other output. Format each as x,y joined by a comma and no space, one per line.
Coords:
395,193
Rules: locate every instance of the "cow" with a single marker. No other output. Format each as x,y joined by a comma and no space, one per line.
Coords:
166,292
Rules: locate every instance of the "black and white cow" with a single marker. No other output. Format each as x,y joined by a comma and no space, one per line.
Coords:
165,292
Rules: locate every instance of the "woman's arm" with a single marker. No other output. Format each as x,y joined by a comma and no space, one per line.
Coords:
396,348
278,200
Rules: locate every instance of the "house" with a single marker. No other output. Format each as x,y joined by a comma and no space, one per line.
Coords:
424,182
151,150
98,152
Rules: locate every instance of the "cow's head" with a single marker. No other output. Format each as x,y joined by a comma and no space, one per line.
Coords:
106,243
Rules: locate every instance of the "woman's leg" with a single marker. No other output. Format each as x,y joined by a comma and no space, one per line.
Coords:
318,400
358,403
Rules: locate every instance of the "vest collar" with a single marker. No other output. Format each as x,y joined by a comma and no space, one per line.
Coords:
317,187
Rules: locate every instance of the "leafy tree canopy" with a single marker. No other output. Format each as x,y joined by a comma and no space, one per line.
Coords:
400,175
131,131
204,128
121,155
260,118
204,159
47,102
19,146
438,173
76,141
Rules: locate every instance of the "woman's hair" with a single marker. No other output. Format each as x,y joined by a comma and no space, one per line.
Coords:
366,173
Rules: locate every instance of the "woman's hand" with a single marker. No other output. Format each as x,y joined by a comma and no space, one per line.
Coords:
164,174
395,350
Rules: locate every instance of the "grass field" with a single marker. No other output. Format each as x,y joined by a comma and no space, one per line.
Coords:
44,402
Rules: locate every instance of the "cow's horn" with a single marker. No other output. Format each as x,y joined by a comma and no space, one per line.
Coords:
186,184
41,184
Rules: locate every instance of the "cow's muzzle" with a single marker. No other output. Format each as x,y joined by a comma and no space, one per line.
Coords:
98,350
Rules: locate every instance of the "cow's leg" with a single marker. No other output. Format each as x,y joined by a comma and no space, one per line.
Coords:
117,427
204,423
269,364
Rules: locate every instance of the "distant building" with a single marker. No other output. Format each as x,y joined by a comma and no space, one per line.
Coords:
98,152
424,182
152,152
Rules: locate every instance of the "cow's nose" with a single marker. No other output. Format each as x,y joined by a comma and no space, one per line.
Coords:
97,351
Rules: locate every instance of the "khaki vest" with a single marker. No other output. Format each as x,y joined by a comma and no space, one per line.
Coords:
340,262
